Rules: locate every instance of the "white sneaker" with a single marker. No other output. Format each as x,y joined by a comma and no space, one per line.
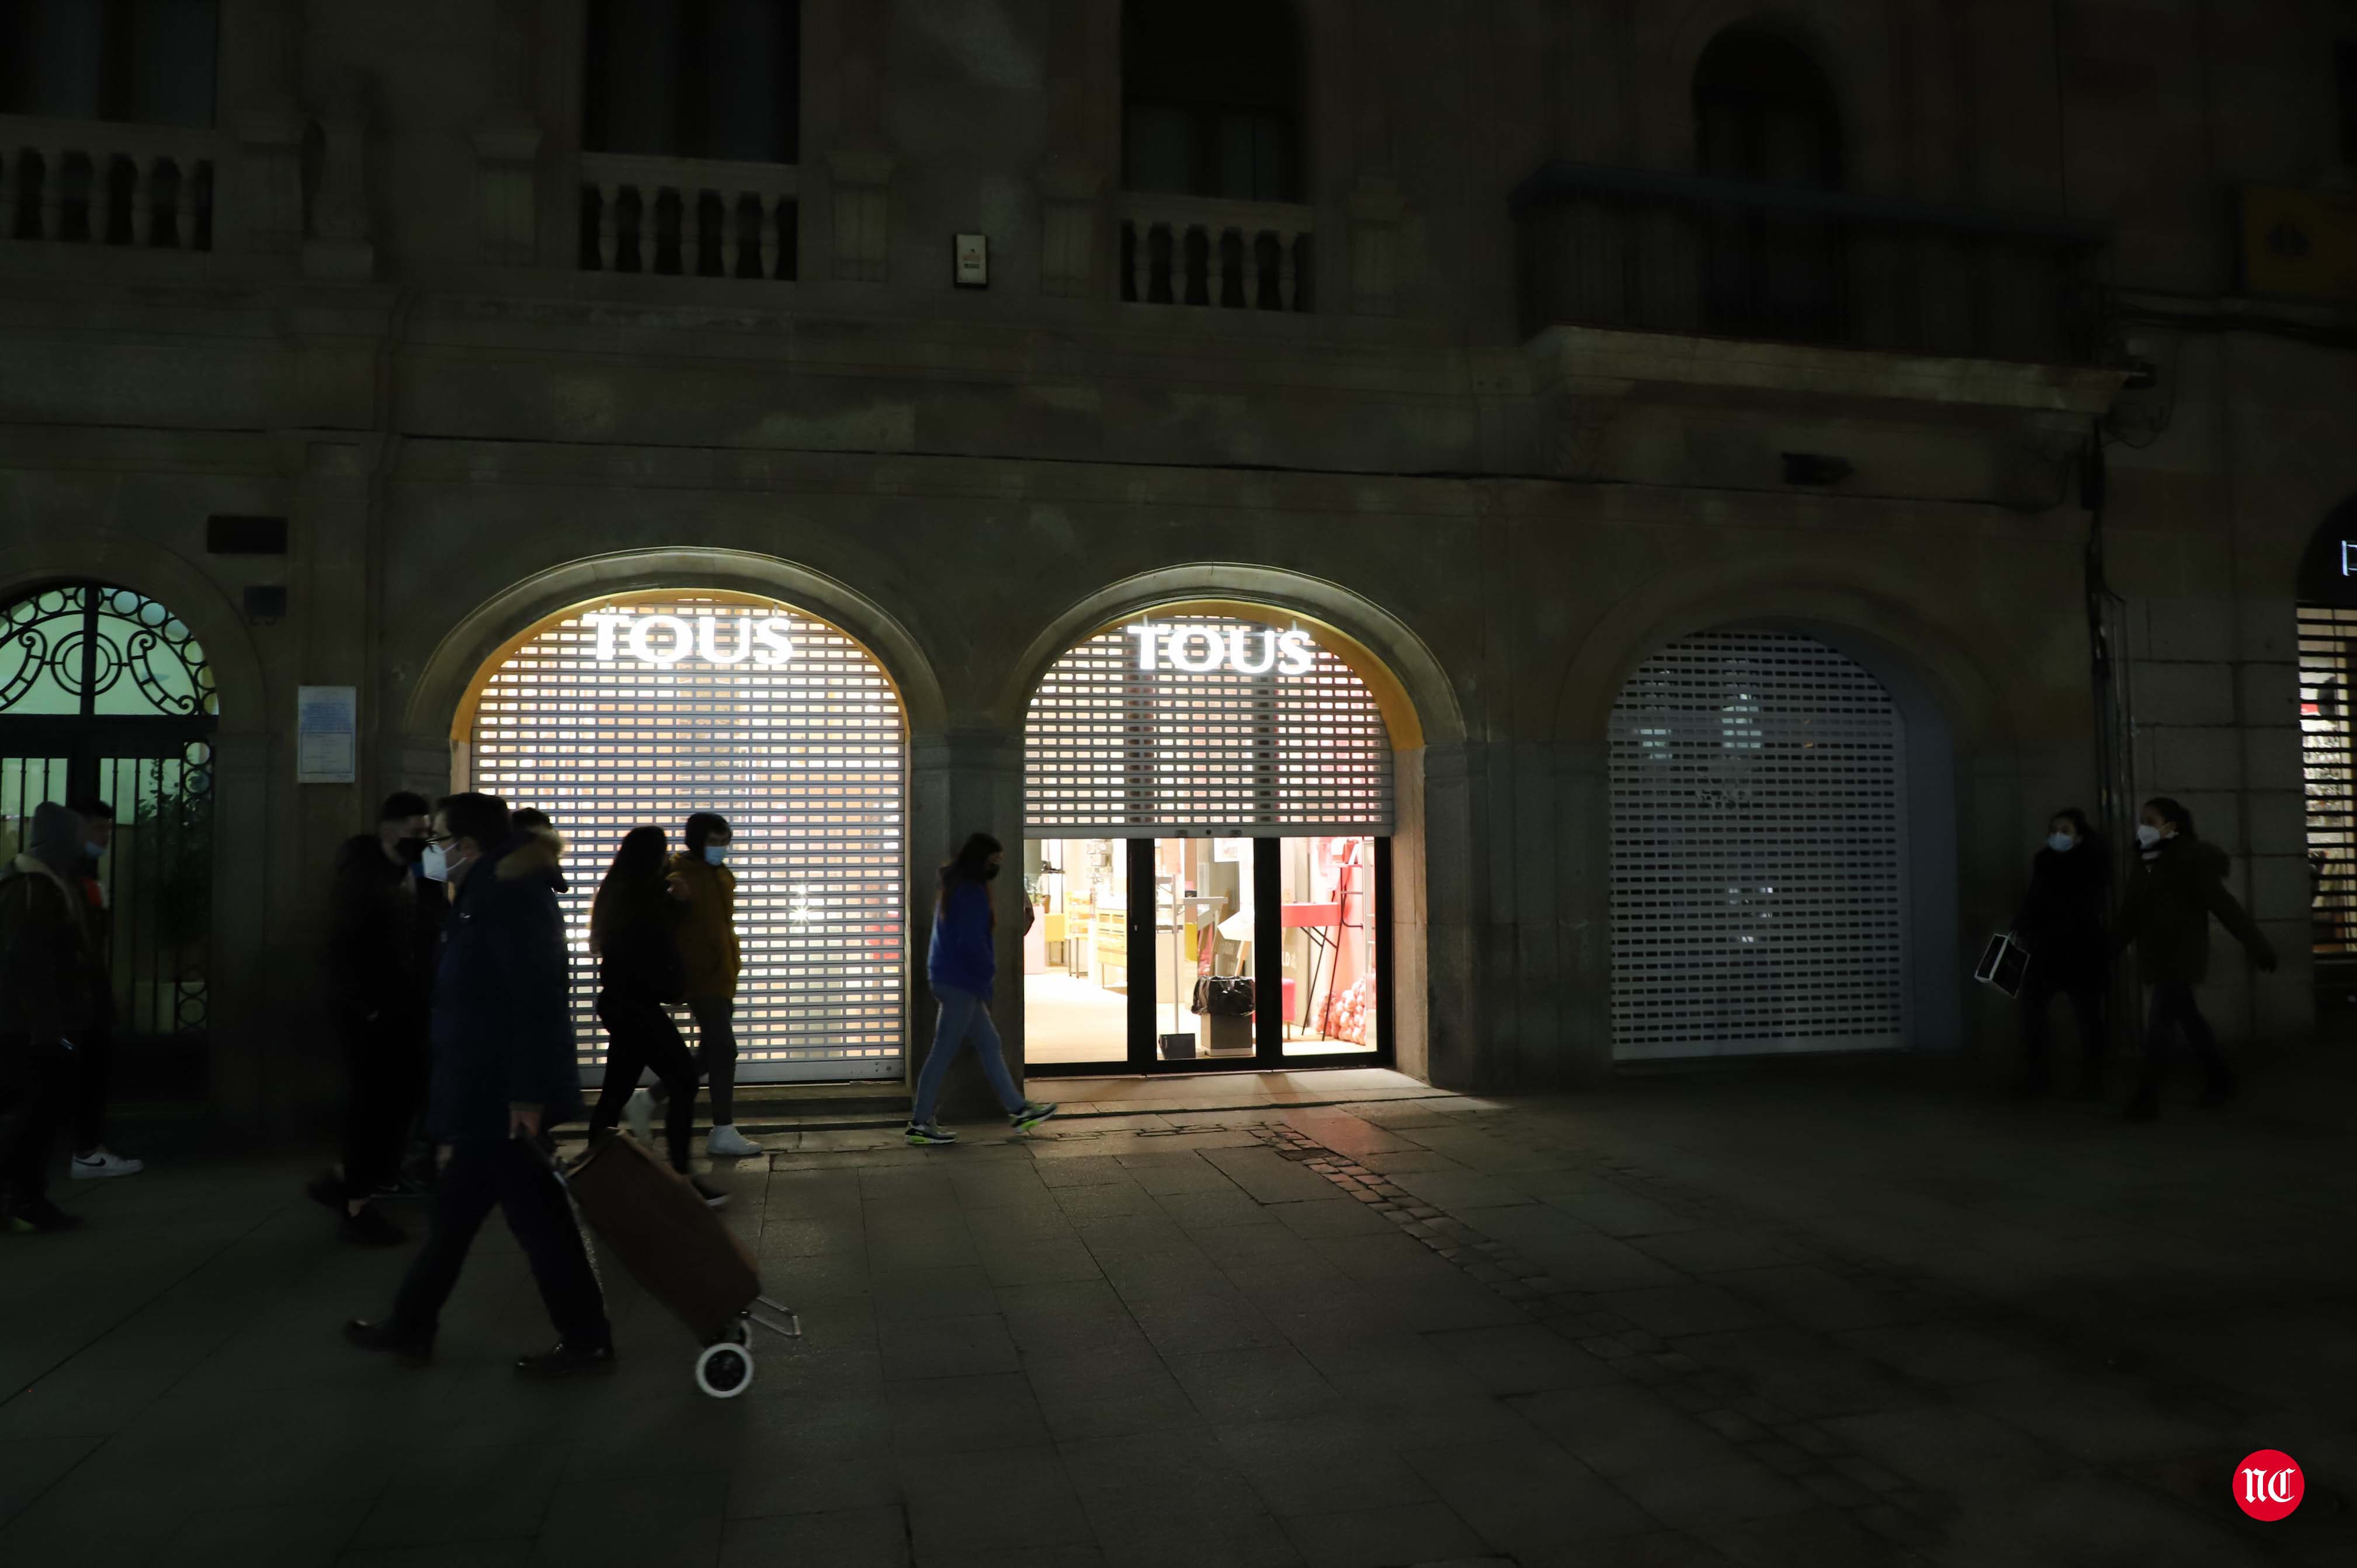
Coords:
101,1162
639,1115
727,1143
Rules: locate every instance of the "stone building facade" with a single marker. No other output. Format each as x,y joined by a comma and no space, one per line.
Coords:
1509,344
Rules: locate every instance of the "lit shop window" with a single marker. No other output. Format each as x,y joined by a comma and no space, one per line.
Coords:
644,710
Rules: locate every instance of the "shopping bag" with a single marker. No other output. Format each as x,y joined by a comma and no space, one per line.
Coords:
2005,963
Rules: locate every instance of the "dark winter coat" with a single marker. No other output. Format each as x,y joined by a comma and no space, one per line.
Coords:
2062,917
638,933
503,1014
47,974
2171,896
376,963
963,957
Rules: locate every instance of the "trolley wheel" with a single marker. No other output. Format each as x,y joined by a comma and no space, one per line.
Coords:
724,1371
740,1332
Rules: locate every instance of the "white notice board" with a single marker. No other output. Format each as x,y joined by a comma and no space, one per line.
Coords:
326,735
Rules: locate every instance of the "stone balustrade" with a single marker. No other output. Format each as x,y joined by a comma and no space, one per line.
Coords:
91,182
688,216
1241,255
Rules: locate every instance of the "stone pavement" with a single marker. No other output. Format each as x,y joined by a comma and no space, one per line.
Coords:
1828,1317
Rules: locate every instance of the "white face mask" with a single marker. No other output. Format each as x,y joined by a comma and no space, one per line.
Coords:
2147,835
2061,844
435,867
715,854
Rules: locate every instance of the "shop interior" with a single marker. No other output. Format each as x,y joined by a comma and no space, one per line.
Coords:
1258,947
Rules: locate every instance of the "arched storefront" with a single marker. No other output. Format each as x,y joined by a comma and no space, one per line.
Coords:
106,696
1208,805
2328,675
1769,852
646,706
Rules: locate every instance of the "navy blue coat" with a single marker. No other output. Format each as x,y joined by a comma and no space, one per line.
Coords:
502,1012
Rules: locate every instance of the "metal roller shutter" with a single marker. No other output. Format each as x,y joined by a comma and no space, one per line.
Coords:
806,761
1114,749
1758,873
2328,637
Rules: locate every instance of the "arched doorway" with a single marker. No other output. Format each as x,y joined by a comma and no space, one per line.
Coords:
1208,805
1768,859
647,706
107,698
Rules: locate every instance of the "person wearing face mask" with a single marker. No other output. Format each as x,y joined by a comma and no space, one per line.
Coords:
504,1073
2178,884
47,977
381,908
2061,923
709,947
962,967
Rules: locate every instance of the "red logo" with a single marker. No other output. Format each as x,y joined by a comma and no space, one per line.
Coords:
2269,1485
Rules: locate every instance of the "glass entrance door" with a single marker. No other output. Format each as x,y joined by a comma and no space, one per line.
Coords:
1193,954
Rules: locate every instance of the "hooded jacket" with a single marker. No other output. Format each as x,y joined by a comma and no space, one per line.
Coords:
2062,917
48,968
503,1010
2172,897
707,937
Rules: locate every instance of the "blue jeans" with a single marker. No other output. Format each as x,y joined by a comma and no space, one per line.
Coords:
964,1021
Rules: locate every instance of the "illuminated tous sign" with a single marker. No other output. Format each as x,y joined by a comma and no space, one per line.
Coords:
664,639
2349,557
1199,649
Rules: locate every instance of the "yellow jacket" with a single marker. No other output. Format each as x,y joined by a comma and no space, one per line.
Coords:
707,937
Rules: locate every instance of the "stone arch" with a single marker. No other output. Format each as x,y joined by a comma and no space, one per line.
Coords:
1848,43
171,581
444,682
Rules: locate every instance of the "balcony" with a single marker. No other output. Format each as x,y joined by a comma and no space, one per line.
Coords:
75,182
1235,255
688,216
1686,254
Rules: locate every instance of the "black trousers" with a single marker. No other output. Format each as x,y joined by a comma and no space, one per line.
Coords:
2086,994
639,1036
2173,1015
514,1177
715,1053
386,1066
93,1079
37,1088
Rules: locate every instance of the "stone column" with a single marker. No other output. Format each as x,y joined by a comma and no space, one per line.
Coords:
962,781
260,107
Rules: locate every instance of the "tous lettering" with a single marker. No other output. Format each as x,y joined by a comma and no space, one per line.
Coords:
766,640
1199,650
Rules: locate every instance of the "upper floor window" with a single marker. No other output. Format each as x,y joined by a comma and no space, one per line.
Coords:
1763,112
695,79
149,61
1211,98
2344,68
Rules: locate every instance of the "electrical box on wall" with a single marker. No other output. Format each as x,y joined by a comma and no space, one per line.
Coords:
972,267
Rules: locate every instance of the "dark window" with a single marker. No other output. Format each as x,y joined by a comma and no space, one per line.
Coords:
695,79
1211,98
1765,115
147,61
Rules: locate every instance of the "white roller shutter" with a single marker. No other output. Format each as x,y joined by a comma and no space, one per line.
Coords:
806,760
2327,662
1758,864
1116,750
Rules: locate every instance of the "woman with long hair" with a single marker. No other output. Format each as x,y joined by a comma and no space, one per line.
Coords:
962,967
2061,923
2179,885
633,932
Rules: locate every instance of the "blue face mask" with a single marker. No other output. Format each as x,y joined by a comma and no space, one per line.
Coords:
93,850
715,854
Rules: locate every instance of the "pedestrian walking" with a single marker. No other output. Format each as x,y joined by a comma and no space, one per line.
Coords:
963,967
376,993
714,958
2062,922
95,1051
504,1073
634,931
48,984
2178,884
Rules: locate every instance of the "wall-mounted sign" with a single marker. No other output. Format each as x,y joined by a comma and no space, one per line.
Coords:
326,735
1246,651
764,641
2349,557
